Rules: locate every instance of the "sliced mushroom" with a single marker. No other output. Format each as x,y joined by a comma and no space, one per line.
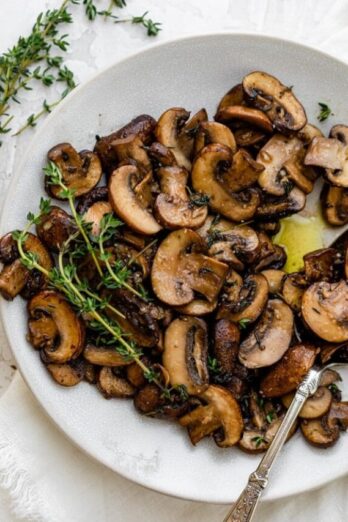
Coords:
43,333
249,136
95,215
67,374
15,278
308,132
325,310
135,374
141,126
211,167
161,155
197,307
324,432
278,152
322,265
221,411
226,343
257,441
288,373
275,279
269,227
316,406
69,339
275,208
250,301
174,132
180,269
243,173
148,399
104,356
329,377
131,151
113,386
335,205
270,255
94,196
185,354
81,171
213,132
126,204
173,206
271,337
293,289
268,94
249,115
235,96
331,154
236,241
140,321
187,136
54,228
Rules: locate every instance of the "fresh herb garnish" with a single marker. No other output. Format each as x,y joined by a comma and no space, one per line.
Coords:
34,57
214,366
258,440
243,323
325,112
270,416
334,388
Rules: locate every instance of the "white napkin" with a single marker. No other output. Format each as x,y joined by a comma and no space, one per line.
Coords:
45,478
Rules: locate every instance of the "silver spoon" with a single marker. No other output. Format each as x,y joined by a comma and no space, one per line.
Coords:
245,506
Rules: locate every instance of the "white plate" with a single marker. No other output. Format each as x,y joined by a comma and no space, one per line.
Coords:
191,73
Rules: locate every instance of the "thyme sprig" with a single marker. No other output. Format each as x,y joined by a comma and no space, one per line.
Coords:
38,57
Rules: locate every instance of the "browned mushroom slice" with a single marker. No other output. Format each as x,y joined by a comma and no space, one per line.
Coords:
275,279
140,321
250,301
125,203
104,356
278,156
67,374
322,265
94,196
173,206
308,132
257,441
131,257
325,310
69,340
185,354
269,227
243,173
113,386
131,151
234,96
43,332
161,155
293,289
271,337
54,228
246,114
213,166
275,208
179,270
14,277
248,136
324,432
221,411
314,407
141,126
226,343
328,377
81,171
174,132
335,205
331,154
148,399
235,242
135,374
268,94
213,132
270,255
197,307
288,373
95,215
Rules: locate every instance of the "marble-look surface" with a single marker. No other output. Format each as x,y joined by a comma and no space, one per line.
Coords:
319,23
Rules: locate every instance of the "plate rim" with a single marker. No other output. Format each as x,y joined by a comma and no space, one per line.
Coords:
9,193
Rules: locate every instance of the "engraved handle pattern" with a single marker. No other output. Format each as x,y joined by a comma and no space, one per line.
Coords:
244,508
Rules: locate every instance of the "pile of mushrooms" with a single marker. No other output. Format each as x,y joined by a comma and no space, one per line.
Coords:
224,323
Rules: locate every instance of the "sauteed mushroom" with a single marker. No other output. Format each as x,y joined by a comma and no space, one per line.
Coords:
111,385
268,94
104,356
185,354
180,269
213,132
81,171
324,432
70,334
271,337
250,301
277,207
242,113
314,407
131,151
325,310
54,228
335,205
67,374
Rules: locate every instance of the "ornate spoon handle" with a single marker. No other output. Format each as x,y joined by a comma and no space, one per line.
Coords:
244,508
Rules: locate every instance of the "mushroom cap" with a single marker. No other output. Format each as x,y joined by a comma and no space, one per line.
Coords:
335,205
208,166
235,96
179,270
315,406
125,202
81,171
113,386
275,279
71,331
288,373
278,101
277,207
248,114
250,301
214,132
104,356
325,310
271,337
185,354
332,155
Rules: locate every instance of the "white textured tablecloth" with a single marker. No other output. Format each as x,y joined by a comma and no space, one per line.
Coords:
43,477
